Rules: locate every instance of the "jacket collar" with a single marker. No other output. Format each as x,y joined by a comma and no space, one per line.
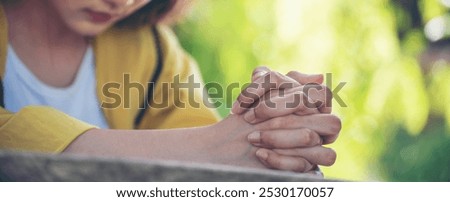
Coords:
3,41
117,52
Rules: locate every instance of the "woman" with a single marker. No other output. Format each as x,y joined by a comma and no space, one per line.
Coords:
76,57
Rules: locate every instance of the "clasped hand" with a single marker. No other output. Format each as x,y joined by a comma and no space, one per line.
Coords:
292,120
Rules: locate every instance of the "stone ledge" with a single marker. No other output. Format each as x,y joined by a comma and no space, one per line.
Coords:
25,166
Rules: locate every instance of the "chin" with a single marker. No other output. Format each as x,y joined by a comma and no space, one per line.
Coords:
89,29
92,33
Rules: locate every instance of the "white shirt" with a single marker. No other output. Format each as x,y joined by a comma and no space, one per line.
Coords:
79,100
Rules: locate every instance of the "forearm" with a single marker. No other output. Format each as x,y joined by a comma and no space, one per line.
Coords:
222,143
149,144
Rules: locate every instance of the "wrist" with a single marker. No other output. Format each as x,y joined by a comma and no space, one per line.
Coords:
229,142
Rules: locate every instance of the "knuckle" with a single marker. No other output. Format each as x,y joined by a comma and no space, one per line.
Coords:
309,136
305,103
275,123
301,166
267,139
275,162
261,111
278,78
270,74
292,73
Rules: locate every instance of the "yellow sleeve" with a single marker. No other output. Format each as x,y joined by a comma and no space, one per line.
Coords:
38,128
181,86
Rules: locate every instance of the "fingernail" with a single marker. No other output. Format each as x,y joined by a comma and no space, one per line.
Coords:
250,116
259,74
254,137
262,154
320,141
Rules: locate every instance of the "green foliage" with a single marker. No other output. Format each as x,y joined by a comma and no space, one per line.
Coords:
357,42
421,158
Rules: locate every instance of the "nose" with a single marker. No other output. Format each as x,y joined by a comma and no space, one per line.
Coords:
119,4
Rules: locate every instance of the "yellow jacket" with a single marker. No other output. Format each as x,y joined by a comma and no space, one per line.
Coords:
118,52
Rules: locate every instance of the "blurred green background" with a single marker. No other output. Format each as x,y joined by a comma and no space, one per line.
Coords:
393,55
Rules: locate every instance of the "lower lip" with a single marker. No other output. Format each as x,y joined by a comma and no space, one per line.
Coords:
98,17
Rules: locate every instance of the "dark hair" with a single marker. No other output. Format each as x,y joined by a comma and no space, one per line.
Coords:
152,13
